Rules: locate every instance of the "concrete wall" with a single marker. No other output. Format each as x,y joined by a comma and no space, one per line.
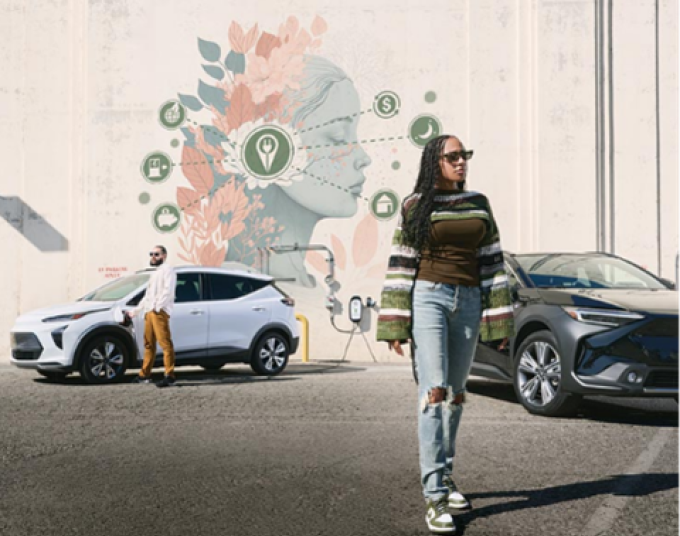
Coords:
573,123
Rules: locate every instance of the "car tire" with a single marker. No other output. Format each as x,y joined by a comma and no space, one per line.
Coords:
213,366
103,360
53,375
270,354
538,377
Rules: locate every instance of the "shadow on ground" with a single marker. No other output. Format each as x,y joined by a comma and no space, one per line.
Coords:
622,485
225,376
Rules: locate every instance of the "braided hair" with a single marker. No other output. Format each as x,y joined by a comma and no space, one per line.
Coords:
416,224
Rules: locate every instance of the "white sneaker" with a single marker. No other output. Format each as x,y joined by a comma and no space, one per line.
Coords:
456,498
438,519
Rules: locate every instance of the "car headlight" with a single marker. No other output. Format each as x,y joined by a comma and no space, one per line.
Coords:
73,316
602,317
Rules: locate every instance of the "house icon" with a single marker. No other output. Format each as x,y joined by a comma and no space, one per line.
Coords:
384,205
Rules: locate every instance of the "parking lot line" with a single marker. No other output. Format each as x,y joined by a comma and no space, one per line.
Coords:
603,518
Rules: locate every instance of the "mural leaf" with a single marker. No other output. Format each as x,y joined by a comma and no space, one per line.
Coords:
212,96
319,26
339,252
236,37
365,241
190,102
250,38
188,199
214,71
317,261
197,170
266,44
236,62
209,50
242,107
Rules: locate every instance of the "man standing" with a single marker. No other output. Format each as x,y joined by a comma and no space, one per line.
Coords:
157,304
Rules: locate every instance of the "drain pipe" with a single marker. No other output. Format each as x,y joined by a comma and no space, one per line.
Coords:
264,254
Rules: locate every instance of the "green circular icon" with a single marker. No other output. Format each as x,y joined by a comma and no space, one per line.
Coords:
384,204
424,128
267,152
144,198
430,97
396,165
166,218
174,143
172,114
386,104
156,167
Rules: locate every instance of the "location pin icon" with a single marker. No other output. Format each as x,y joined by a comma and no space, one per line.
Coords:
267,147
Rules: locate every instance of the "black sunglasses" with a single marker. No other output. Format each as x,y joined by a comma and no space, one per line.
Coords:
454,156
154,254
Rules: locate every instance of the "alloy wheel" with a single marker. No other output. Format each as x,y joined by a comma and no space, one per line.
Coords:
273,354
539,373
106,361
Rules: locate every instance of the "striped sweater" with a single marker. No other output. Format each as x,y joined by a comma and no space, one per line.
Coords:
394,321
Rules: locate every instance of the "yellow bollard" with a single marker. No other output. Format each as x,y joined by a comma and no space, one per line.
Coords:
304,343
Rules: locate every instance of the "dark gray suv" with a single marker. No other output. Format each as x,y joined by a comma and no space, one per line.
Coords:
586,324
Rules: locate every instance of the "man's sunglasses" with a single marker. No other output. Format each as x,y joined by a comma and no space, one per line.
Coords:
454,156
154,254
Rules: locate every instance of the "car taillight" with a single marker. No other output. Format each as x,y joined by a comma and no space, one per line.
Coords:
290,302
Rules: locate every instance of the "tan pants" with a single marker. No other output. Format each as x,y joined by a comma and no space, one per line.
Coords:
157,328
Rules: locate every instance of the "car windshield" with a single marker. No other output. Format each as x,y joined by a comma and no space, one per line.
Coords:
585,271
115,290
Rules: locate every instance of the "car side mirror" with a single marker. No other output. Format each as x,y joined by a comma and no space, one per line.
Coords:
668,283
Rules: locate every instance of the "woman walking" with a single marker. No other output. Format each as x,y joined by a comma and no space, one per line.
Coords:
445,287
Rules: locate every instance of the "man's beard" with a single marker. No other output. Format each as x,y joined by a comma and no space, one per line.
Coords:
156,262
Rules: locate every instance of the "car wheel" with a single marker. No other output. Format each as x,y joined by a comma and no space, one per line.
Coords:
538,377
53,375
270,355
103,360
212,366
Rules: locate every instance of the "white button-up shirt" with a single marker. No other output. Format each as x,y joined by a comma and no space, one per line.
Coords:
160,293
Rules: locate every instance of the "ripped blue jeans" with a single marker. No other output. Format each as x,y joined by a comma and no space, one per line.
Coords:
446,322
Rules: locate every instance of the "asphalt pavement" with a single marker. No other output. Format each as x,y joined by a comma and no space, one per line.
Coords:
323,449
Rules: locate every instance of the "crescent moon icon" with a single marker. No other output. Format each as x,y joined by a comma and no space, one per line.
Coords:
428,133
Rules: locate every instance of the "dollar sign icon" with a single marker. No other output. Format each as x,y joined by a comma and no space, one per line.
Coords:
386,104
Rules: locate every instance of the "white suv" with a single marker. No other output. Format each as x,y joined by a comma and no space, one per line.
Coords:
220,316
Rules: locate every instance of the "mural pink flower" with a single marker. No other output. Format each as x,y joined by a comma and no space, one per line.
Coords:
250,87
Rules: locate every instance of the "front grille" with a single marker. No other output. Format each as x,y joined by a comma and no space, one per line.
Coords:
26,355
25,346
663,379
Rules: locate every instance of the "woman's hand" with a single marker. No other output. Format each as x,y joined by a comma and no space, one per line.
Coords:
396,346
504,344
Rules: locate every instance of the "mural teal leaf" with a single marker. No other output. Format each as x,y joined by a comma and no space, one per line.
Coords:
236,62
212,96
190,102
214,71
209,50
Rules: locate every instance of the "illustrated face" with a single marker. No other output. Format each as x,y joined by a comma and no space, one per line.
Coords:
334,176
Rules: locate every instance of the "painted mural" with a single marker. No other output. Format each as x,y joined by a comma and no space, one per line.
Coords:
271,147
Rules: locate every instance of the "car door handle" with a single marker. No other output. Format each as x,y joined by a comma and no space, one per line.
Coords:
196,312
259,309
